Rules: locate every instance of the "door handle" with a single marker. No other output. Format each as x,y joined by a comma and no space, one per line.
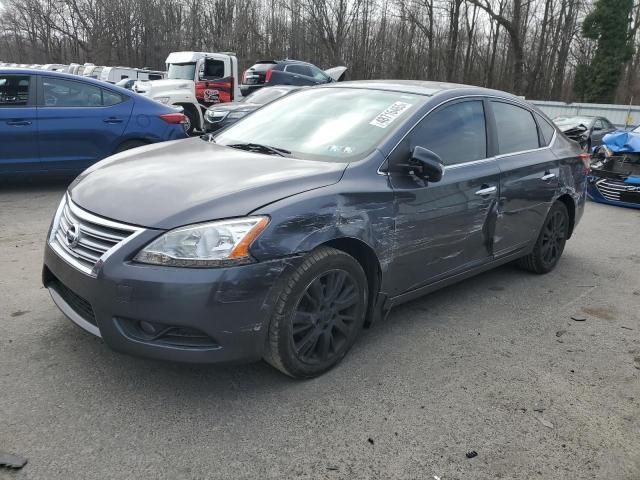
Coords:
487,190
112,120
19,123
548,176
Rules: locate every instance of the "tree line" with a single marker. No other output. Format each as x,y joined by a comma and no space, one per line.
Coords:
573,50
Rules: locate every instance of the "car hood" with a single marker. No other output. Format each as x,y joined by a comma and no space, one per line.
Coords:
189,181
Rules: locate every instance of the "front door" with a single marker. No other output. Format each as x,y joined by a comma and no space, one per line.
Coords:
18,124
445,227
79,123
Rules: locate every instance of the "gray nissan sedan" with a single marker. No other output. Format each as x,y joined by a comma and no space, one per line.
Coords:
282,236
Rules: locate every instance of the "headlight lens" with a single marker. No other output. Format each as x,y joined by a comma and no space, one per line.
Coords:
215,115
205,245
164,100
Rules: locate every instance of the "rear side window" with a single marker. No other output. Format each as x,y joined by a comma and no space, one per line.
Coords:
299,69
516,128
58,92
112,98
14,90
457,133
546,129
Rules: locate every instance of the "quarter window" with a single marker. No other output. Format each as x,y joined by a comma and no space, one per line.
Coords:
14,90
546,129
456,133
515,127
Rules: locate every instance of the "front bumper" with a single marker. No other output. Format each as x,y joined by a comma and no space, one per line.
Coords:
207,315
613,191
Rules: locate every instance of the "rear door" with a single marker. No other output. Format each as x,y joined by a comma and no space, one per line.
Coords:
79,122
529,175
18,124
445,227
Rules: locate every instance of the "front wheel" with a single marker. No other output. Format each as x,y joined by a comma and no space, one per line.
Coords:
318,315
551,241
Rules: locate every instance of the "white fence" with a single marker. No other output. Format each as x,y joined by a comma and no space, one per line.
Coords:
620,115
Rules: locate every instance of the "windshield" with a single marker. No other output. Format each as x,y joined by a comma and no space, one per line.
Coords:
331,124
565,121
266,95
182,71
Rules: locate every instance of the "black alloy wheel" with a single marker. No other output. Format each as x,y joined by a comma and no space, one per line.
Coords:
325,316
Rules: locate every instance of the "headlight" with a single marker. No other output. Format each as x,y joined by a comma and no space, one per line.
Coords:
205,245
215,115
237,114
164,100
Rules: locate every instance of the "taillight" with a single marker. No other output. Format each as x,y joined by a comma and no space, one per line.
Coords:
244,76
267,76
586,161
176,118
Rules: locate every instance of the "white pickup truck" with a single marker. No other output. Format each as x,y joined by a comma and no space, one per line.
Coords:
195,81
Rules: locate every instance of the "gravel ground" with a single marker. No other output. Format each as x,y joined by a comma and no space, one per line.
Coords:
494,364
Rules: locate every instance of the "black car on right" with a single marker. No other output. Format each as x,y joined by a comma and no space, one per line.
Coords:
584,129
266,73
221,115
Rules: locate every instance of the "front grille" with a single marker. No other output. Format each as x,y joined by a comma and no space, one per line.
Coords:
83,238
81,306
612,189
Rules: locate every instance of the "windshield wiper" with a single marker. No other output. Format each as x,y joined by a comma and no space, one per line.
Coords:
261,148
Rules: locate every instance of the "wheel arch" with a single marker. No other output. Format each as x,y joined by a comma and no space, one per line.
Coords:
143,141
368,260
193,109
571,209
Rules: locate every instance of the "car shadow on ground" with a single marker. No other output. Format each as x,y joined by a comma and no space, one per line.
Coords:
82,355
36,184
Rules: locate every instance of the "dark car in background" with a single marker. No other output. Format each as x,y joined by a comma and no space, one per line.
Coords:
222,115
586,130
286,72
58,123
281,236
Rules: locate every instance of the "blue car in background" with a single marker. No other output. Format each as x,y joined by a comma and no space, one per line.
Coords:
58,123
615,170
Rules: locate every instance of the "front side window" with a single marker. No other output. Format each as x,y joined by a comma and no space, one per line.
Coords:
319,74
14,90
515,127
181,71
456,133
213,69
329,124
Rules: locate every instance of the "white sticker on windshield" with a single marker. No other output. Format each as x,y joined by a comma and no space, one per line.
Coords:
389,115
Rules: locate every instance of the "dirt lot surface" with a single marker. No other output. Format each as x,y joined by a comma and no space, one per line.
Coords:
495,364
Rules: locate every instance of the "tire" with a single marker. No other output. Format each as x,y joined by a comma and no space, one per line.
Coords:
308,333
551,241
129,144
192,120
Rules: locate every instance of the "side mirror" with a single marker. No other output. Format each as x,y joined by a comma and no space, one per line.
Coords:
426,164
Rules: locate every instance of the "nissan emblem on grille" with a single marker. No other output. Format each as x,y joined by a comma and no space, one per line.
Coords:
73,235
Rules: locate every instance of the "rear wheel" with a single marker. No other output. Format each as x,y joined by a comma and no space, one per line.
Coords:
318,315
550,243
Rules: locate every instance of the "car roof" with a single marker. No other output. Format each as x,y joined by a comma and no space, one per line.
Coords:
422,87
68,76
